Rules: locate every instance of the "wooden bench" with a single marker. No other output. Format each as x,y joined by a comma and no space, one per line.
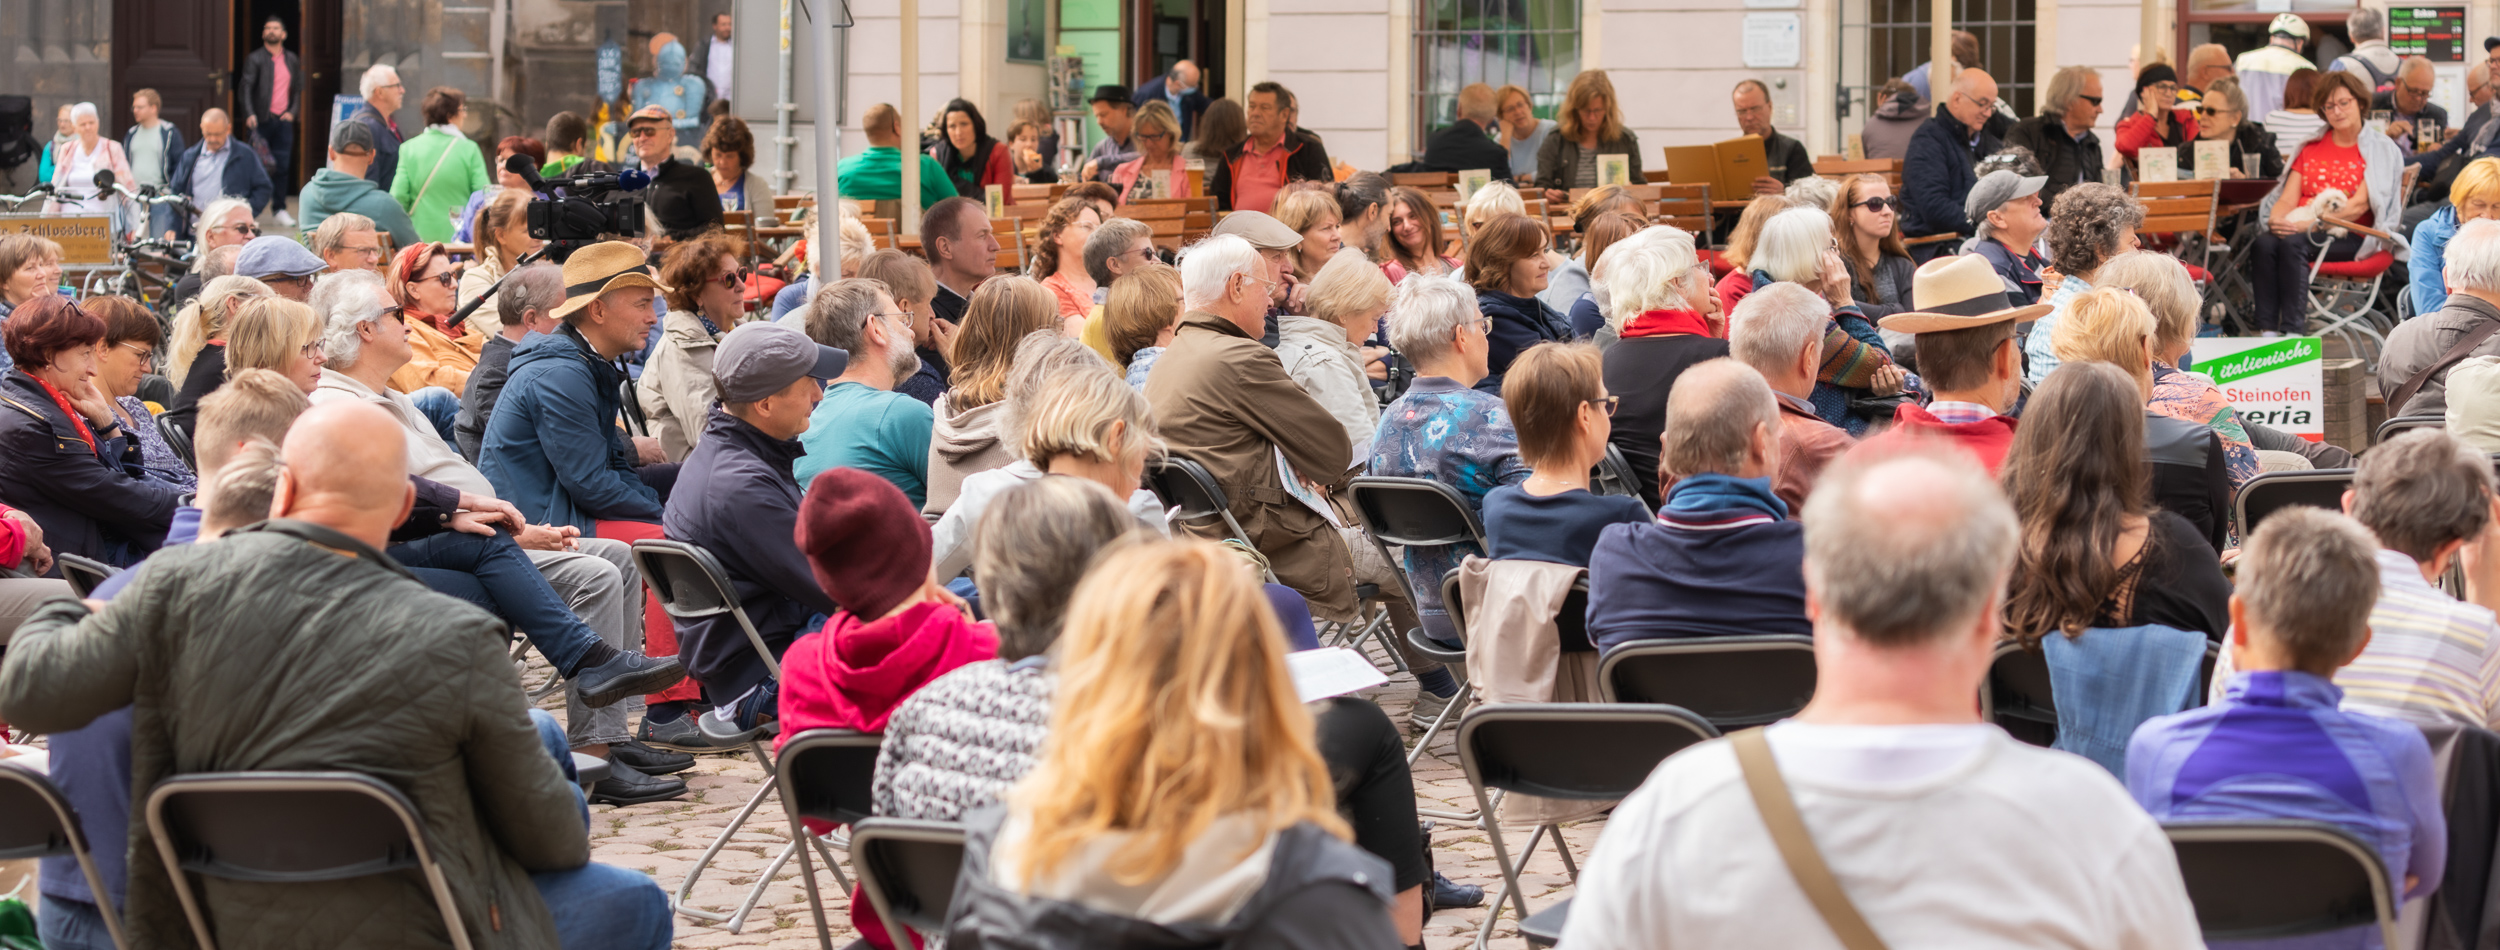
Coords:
1834,166
1425,180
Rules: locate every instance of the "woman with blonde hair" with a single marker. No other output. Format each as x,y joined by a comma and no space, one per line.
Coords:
2475,194
1140,317
1181,798
966,438
2163,284
1589,124
1314,215
1740,241
1075,418
1157,135
276,334
1520,130
1489,202
197,356
1059,256
1323,351
2190,475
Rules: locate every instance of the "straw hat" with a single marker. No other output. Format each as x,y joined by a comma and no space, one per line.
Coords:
1951,293
602,267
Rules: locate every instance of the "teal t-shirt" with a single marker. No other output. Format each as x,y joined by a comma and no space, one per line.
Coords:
873,430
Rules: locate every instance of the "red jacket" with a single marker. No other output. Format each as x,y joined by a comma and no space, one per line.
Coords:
1987,440
2136,132
851,675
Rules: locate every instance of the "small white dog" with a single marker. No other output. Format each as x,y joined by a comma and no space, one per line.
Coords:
2327,202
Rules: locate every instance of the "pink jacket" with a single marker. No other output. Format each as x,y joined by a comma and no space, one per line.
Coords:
851,674
114,158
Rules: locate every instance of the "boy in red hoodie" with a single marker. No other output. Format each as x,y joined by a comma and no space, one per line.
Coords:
897,629
1966,355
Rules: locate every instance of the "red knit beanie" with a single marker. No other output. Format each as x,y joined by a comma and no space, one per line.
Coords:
865,541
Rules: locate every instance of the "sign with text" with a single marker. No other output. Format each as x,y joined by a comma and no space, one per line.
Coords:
2278,382
2436,33
84,239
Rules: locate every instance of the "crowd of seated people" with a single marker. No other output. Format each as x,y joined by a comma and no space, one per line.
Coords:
935,487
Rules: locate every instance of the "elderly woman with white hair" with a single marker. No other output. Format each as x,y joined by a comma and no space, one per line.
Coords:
1661,307
2163,284
1797,246
1323,352
2413,370
74,167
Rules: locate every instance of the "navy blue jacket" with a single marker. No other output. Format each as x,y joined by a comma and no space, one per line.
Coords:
552,446
737,498
1193,104
92,501
1663,580
1464,146
1938,175
244,177
385,146
1512,325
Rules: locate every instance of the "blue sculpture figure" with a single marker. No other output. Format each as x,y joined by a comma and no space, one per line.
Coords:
670,88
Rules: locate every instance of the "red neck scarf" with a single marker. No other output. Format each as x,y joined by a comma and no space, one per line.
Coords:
1666,323
61,399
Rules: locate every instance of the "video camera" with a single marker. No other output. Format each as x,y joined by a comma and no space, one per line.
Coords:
590,208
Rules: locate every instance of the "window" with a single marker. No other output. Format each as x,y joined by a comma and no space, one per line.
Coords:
1533,44
1897,42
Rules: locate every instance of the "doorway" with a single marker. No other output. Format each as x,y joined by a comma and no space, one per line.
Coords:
1164,32
313,29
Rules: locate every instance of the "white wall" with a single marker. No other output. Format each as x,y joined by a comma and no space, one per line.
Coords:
1333,55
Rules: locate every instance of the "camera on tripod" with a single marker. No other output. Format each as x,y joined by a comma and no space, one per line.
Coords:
576,212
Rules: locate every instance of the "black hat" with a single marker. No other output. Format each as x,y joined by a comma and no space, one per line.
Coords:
683,199
1112,92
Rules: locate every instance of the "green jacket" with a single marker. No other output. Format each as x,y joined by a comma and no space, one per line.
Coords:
877,175
289,646
463,174
330,192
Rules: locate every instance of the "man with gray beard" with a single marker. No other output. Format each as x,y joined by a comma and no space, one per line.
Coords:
863,423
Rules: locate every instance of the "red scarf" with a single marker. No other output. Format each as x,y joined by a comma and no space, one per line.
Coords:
1666,323
61,399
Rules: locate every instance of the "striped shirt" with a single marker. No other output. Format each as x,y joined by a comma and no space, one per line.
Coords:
2431,658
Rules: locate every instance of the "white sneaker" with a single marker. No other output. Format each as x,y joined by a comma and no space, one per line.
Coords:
285,220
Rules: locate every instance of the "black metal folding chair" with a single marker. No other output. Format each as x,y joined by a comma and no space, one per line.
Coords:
1411,512
1734,682
2256,880
36,821
828,775
2016,695
2275,491
908,868
178,440
84,573
2403,424
289,828
1580,751
692,585
1544,928
1614,476
1183,484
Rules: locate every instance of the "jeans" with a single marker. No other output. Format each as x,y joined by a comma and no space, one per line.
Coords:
71,925
280,135
440,406
597,906
598,581
522,597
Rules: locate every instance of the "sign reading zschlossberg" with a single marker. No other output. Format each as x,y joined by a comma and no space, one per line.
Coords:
2277,382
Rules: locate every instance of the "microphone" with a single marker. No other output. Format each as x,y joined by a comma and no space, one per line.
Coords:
528,170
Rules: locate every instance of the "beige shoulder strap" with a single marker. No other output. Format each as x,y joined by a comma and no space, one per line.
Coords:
1796,844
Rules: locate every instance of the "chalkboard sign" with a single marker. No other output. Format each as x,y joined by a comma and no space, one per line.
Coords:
2437,33
612,71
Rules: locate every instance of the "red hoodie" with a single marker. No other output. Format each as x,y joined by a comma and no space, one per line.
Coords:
851,675
1987,439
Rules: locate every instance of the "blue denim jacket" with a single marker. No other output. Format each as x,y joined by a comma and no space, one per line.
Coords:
2110,680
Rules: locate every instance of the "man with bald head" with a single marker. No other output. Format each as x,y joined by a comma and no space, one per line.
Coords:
1178,88
1927,816
2409,102
217,166
296,644
1937,176
1467,144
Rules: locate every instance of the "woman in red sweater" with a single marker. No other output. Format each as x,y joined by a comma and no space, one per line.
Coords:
2158,121
972,159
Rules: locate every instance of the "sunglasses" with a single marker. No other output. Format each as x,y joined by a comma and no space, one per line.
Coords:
734,280
2094,100
1880,204
246,228
445,278
2210,111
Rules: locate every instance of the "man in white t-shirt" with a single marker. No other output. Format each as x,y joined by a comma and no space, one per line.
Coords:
1942,830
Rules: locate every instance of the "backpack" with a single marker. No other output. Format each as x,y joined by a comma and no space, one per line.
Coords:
2379,81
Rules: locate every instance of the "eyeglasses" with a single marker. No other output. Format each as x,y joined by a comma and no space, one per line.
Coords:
1985,104
1609,403
369,252
904,315
1880,204
145,353
1154,136
2416,93
245,228
644,132
2339,105
311,350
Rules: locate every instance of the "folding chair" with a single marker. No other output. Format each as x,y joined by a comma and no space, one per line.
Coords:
2275,491
1614,476
2403,424
84,573
2344,295
289,828
1183,484
178,440
1411,512
1579,751
2254,880
2016,695
692,585
36,821
1734,682
828,775
908,868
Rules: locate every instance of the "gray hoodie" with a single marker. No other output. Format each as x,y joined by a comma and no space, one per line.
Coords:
961,444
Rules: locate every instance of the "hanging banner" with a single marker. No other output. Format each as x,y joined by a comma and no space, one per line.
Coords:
2278,382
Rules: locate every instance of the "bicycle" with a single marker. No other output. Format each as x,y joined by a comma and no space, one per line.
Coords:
137,258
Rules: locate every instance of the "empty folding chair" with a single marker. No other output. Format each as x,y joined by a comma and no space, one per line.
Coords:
691,584
1614,476
2275,491
37,822
289,828
1579,751
828,775
83,573
1419,512
1734,682
908,868
2256,880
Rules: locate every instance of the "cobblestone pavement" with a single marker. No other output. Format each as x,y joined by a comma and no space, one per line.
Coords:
665,839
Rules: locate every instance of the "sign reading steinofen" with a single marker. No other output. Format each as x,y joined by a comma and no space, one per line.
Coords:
2278,382
84,239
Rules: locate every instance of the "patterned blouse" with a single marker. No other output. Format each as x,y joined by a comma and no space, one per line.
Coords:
1456,436
155,455
2189,397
